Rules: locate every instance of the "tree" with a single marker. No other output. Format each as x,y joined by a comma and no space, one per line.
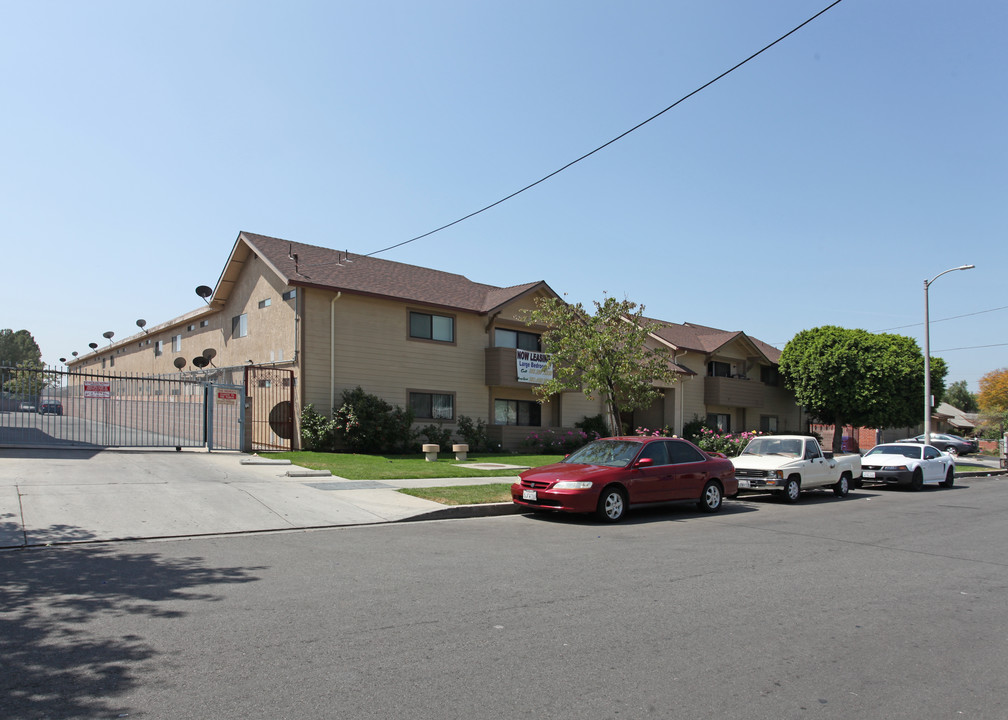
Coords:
958,396
845,376
18,348
993,396
602,355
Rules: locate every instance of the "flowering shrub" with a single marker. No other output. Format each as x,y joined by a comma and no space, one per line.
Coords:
727,443
550,441
658,432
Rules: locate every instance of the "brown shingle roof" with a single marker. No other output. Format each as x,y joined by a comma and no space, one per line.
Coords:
335,270
690,336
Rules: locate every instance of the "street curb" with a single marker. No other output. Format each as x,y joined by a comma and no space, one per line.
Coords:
451,512
306,472
993,472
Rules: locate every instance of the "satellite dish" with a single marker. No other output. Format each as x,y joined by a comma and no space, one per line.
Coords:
200,361
62,360
209,353
107,334
93,346
141,322
74,353
204,292
179,362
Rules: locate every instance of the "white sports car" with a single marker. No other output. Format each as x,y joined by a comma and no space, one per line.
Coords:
905,464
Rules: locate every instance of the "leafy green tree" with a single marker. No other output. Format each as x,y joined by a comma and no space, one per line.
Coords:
29,380
958,396
604,354
18,348
844,376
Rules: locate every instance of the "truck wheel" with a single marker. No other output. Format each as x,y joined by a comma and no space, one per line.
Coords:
842,486
792,490
949,478
917,480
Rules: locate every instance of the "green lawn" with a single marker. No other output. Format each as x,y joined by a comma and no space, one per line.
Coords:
464,494
401,467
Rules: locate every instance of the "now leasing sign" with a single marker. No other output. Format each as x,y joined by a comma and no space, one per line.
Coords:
534,367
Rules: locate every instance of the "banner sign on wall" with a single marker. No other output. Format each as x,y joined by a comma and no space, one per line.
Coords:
534,367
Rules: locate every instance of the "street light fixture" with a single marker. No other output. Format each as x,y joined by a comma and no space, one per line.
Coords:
927,352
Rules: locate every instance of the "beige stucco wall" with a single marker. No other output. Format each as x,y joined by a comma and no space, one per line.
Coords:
373,349
271,332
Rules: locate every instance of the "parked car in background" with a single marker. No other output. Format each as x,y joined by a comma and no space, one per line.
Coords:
51,407
908,464
946,443
972,442
789,464
610,475
27,406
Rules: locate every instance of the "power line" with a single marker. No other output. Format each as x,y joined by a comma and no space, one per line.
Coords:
972,347
954,317
618,137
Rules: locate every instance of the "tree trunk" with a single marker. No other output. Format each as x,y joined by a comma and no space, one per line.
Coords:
838,435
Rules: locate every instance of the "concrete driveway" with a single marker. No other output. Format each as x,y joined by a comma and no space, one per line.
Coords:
58,496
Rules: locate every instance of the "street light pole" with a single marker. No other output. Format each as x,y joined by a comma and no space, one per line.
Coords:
927,352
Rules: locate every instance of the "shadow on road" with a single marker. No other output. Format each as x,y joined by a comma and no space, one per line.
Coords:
53,666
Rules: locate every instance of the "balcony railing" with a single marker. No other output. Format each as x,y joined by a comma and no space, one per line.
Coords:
733,392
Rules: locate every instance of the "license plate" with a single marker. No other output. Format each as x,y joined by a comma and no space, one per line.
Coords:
743,483
868,474
529,495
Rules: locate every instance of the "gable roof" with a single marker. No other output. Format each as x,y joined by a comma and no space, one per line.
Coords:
339,271
708,340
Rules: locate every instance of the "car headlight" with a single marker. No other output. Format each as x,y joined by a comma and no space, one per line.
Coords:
775,474
572,485
895,468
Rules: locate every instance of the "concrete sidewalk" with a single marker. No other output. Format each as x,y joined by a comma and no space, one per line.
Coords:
62,496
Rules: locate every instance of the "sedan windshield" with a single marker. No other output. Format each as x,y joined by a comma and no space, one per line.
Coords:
614,453
912,452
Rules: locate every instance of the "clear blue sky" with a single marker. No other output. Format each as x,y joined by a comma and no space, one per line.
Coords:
821,183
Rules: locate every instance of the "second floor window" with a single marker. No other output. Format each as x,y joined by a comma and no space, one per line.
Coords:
239,325
424,326
516,339
715,368
176,343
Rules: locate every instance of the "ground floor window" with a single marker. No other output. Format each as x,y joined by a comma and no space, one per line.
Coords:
432,406
719,421
768,423
517,412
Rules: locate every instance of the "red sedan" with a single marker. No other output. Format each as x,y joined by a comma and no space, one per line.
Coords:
608,476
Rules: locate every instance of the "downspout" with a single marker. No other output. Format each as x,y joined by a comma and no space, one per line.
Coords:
682,399
332,351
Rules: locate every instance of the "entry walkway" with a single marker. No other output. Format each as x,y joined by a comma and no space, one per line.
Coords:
64,496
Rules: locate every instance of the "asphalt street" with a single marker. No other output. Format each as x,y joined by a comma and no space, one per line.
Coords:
885,604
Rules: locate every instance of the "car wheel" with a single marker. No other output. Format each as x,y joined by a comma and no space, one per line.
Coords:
612,504
842,486
949,478
711,499
792,490
917,480
952,451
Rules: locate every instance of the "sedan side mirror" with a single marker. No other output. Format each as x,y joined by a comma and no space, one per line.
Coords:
645,462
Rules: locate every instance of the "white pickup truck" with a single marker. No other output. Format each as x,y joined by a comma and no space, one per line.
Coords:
788,464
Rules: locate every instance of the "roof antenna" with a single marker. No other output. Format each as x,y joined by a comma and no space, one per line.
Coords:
347,257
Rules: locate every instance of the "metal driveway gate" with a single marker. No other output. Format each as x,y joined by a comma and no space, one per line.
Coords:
271,391
64,408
